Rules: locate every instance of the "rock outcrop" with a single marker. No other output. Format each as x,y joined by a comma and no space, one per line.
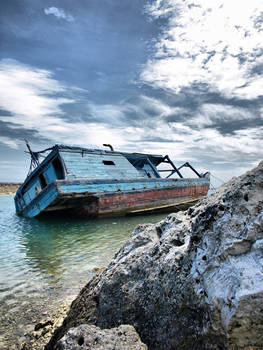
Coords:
86,337
192,281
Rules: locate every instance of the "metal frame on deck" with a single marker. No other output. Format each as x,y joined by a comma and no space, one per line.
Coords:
167,160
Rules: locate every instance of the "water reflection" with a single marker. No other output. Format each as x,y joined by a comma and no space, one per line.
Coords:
59,251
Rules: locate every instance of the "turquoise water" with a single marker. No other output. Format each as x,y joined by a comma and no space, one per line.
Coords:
44,261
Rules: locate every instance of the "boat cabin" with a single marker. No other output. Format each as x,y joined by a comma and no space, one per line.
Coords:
78,163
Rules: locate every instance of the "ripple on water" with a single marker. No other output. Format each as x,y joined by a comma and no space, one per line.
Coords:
42,260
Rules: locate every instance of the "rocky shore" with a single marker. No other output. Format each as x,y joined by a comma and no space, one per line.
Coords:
8,187
194,281
39,334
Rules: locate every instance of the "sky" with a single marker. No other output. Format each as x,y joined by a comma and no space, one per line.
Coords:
177,77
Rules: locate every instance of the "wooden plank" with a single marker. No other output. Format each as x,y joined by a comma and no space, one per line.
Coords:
92,166
44,199
99,186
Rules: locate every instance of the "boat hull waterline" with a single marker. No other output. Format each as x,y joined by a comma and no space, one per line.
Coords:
86,203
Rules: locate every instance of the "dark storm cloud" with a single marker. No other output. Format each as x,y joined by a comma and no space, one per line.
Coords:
77,112
4,113
179,116
97,51
185,106
197,94
192,99
17,133
230,127
257,70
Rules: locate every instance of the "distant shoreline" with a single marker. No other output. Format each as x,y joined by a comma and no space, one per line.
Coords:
9,187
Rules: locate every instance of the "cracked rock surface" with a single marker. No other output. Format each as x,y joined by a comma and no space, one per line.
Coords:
192,281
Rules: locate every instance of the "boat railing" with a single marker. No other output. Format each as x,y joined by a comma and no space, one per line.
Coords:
176,170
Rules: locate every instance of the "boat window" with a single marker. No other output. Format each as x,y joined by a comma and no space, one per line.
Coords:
108,162
58,168
42,181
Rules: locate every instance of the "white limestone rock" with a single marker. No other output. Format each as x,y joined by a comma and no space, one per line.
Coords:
193,281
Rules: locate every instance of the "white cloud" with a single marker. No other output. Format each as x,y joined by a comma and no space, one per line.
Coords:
213,42
29,92
209,114
59,13
9,142
32,97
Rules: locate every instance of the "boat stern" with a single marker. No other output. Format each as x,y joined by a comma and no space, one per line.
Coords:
38,204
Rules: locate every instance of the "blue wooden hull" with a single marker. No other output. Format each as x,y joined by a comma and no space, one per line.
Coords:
78,196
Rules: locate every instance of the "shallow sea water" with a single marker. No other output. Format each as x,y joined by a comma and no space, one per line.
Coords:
45,261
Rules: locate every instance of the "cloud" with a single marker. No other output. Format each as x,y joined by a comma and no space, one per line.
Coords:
208,62
219,115
33,100
194,138
8,142
213,43
59,13
29,94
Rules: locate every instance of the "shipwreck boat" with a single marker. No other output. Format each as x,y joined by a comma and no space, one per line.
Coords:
92,182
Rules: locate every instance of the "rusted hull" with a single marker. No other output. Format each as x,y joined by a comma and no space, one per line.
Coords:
113,204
